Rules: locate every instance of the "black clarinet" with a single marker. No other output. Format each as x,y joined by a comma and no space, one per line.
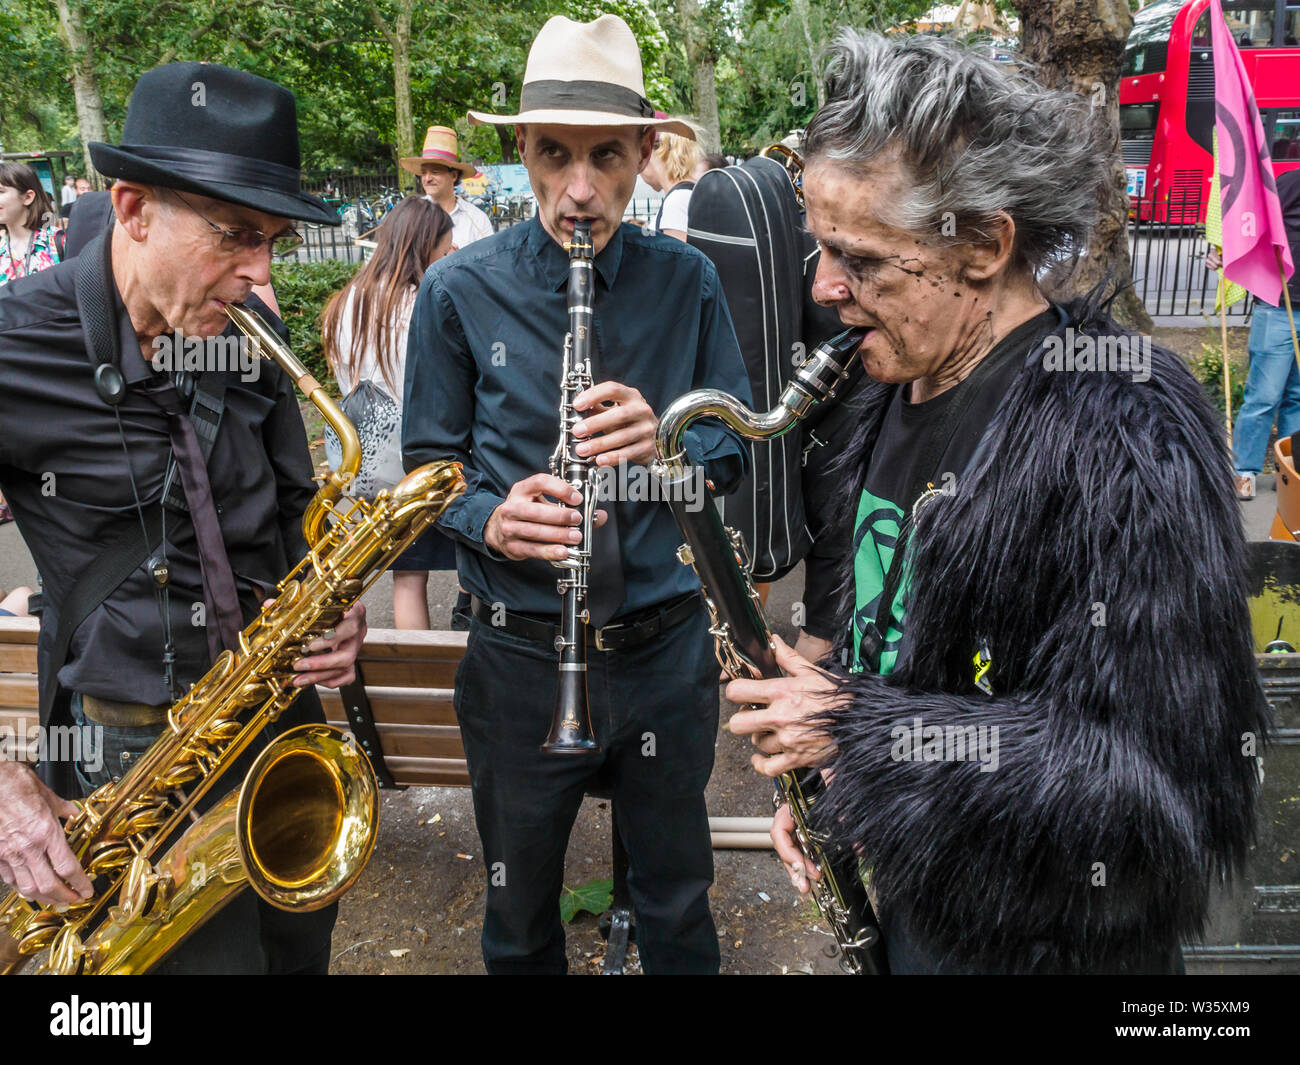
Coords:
741,635
571,723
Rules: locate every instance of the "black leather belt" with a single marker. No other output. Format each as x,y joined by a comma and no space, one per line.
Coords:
637,629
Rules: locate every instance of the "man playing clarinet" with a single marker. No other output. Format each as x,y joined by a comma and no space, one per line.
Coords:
483,386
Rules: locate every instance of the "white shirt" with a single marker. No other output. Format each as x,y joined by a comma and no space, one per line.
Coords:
369,368
68,194
468,223
676,204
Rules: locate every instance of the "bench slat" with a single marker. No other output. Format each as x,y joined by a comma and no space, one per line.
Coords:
397,706
429,772
18,658
18,691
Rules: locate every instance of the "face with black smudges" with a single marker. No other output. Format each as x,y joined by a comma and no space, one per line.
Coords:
927,321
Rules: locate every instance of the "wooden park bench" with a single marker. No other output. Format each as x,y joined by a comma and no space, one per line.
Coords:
407,681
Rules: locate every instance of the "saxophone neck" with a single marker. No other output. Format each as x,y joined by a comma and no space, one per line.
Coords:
333,482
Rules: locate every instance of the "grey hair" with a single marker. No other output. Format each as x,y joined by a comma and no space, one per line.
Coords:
978,138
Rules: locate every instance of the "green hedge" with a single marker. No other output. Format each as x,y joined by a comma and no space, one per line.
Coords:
1208,368
302,290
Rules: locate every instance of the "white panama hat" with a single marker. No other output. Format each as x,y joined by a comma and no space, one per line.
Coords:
609,89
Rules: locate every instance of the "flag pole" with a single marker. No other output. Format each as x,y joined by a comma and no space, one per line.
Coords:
1223,333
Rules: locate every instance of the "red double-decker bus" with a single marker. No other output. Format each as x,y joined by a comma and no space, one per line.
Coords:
1166,97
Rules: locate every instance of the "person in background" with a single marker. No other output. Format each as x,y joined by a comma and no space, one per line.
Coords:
712,161
671,170
14,604
440,170
67,196
29,238
364,328
1273,387
83,186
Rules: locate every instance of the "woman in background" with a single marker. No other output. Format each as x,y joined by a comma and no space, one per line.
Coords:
364,328
30,239
670,170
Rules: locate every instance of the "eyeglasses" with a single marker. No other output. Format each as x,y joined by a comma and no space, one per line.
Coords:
245,240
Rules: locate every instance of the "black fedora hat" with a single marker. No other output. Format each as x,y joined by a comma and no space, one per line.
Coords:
215,131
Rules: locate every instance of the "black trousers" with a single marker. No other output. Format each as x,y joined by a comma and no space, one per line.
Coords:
654,711
247,936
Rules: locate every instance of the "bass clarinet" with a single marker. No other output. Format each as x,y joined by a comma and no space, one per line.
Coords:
571,723
742,638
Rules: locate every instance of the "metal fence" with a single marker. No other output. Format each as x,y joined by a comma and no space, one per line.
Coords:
1166,241
343,191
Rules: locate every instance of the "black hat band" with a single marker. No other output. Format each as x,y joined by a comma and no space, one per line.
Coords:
221,168
583,96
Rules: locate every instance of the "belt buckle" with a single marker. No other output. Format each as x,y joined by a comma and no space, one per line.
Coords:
600,636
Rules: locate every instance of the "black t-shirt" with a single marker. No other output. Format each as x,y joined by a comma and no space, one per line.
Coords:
904,441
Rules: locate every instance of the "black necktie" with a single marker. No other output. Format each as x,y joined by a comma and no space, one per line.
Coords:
219,592
605,587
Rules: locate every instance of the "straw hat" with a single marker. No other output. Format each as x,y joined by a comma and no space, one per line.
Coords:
441,147
585,74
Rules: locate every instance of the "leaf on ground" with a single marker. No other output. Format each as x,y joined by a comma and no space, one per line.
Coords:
595,896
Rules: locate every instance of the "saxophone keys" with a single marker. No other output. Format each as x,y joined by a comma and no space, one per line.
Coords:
40,932
143,890
107,858
67,954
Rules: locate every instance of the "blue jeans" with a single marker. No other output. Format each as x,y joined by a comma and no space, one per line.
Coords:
1272,389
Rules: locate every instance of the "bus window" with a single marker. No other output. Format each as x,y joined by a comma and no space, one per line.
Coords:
1138,120
1286,136
1148,44
1291,26
1250,23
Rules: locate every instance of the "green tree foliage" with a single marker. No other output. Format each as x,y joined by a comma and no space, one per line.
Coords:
768,79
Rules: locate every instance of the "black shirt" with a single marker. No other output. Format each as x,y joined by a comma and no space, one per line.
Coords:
483,387
1288,194
63,471
903,441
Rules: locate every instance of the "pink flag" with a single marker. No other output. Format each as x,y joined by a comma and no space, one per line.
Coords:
1253,233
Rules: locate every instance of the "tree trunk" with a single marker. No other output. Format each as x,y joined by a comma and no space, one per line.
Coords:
706,106
85,84
801,12
506,135
399,41
1079,45
700,58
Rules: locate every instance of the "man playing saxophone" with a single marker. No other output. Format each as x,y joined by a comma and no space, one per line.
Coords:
110,442
483,387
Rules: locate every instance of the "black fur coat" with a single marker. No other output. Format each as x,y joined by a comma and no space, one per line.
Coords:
1121,790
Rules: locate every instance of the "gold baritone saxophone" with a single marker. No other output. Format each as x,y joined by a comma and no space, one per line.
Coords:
742,638
302,826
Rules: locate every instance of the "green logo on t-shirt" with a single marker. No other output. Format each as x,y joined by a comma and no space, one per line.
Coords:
875,535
